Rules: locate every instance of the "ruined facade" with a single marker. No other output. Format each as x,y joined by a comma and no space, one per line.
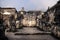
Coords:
54,13
7,13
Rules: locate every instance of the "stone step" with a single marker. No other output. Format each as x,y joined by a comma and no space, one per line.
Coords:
41,33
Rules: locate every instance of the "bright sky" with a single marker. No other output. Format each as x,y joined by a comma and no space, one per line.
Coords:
28,4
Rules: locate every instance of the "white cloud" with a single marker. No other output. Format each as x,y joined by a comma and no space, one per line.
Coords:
43,4
28,4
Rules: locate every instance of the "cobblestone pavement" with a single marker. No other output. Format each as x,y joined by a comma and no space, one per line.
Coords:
11,36
30,30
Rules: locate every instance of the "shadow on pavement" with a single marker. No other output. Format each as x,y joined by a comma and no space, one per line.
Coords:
33,34
3,38
55,36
